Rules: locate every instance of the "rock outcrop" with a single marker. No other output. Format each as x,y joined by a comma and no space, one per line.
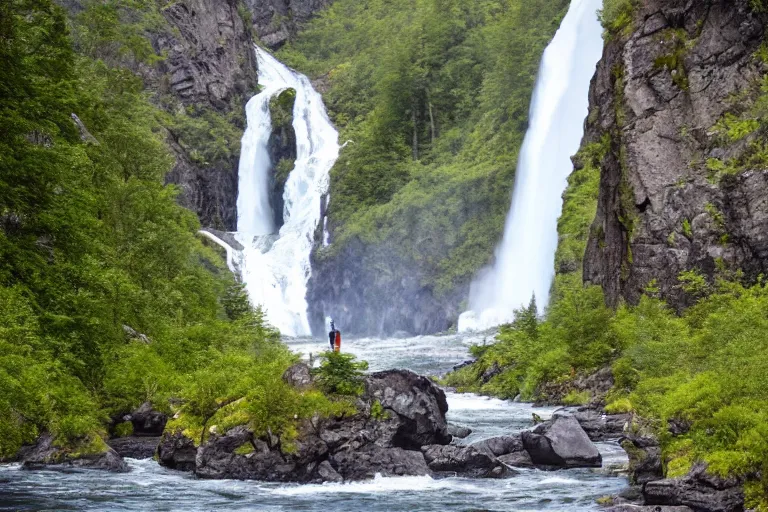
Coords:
411,416
463,460
561,443
698,490
47,455
275,21
665,206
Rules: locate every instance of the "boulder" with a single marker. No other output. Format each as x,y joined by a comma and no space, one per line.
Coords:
366,463
147,421
135,447
463,461
598,425
698,490
298,376
176,451
562,444
644,458
46,455
519,459
457,431
501,445
419,406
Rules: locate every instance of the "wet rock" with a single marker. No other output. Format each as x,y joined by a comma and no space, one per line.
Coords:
298,375
700,491
491,372
501,445
419,406
561,443
366,463
519,459
598,425
45,455
135,447
463,461
644,458
176,451
147,421
457,431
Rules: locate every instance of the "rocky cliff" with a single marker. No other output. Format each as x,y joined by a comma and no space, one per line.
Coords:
275,21
684,182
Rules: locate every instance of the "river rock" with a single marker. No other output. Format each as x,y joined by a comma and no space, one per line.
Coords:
698,490
561,443
644,455
328,449
519,459
298,375
135,447
457,431
419,405
598,425
176,451
463,461
45,455
501,445
366,463
147,421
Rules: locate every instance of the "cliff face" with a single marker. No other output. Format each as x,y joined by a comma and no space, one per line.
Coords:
275,21
210,63
681,185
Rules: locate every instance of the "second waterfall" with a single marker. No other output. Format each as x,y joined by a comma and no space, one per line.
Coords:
275,266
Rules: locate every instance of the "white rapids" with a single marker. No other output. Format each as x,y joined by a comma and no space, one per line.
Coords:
275,267
524,263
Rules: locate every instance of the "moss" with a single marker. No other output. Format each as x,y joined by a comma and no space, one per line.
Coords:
281,108
678,44
377,411
574,397
687,230
124,429
619,406
244,449
616,16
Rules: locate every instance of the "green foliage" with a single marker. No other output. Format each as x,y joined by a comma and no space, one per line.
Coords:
622,405
378,412
616,16
574,397
91,240
124,429
687,231
434,95
340,374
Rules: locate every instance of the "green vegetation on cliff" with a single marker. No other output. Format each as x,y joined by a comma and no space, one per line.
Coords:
434,96
107,296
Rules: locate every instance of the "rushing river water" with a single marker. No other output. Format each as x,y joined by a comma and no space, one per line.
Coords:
150,487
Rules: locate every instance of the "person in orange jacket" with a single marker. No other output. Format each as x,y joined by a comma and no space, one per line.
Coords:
334,337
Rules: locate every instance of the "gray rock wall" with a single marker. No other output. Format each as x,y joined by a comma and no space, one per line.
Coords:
657,93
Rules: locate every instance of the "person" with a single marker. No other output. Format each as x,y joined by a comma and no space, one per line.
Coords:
332,335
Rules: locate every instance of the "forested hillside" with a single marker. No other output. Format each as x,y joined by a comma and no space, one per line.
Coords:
433,96
108,299
662,213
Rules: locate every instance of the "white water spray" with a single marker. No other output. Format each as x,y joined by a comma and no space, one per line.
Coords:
275,267
524,264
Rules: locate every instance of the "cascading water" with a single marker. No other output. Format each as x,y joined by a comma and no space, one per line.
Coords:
275,267
524,264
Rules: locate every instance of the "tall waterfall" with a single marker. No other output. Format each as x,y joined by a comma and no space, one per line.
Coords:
275,267
524,263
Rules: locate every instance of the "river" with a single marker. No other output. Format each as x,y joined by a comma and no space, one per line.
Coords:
149,487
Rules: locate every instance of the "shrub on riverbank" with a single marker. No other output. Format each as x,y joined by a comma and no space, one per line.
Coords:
706,372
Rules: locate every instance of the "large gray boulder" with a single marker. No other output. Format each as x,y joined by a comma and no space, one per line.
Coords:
366,463
698,490
418,404
46,455
176,451
463,461
501,445
561,444
644,455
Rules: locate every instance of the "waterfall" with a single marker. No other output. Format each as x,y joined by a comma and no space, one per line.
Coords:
275,267
524,262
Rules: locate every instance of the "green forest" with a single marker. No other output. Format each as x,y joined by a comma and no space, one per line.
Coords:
434,96
108,297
